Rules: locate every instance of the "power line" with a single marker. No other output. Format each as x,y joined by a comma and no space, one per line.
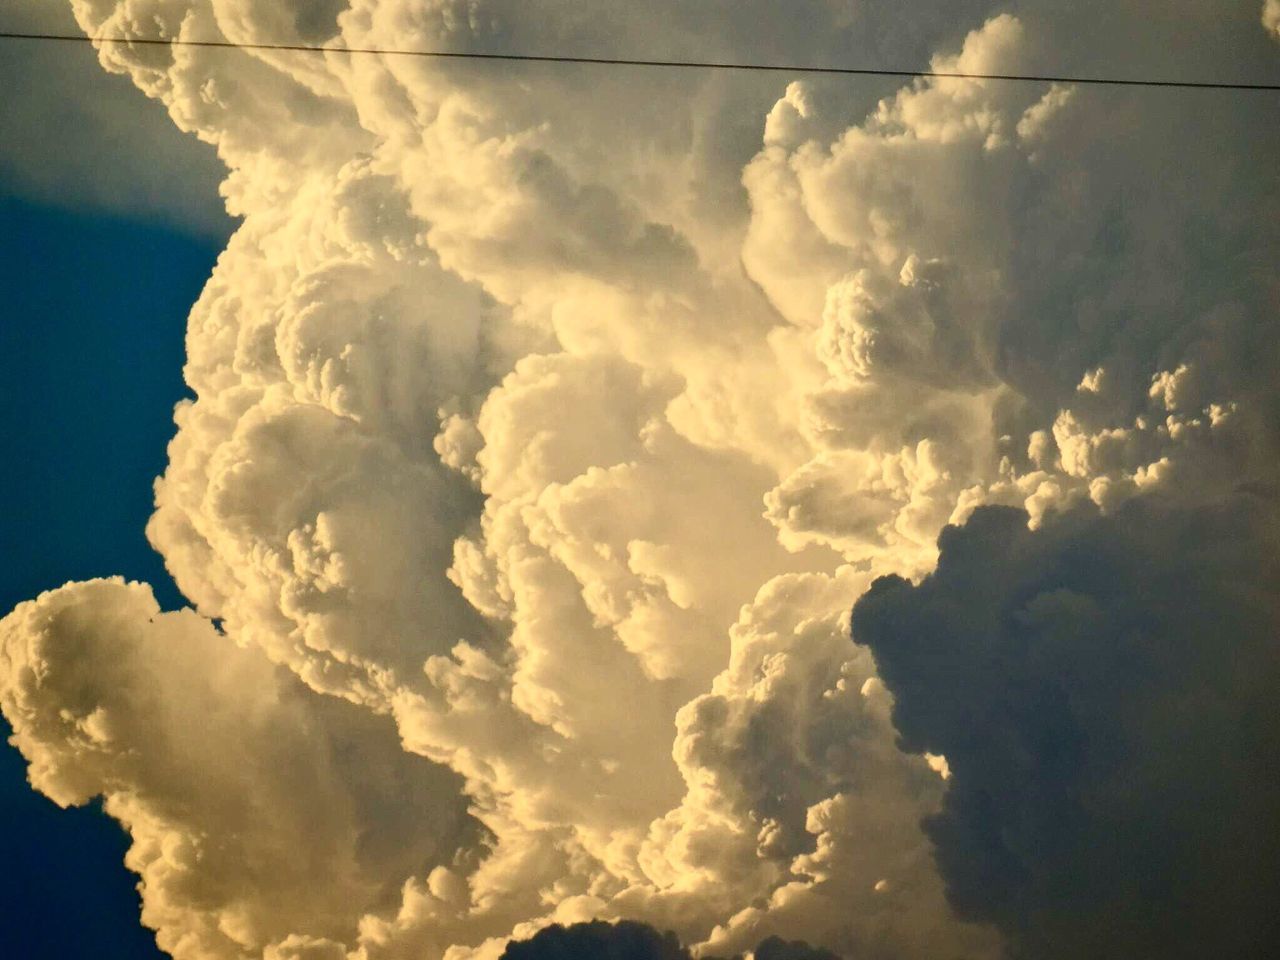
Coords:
624,62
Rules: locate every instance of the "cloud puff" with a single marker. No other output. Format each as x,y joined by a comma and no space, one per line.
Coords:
1271,16
1100,690
548,420
258,809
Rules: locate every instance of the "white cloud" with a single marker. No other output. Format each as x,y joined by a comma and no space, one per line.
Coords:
558,415
1271,16
258,809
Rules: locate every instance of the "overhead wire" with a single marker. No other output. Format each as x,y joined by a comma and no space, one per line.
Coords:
630,62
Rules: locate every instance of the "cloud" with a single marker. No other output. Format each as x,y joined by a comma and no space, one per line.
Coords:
775,948
620,941
1099,688
547,421
627,940
1271,16
240,787
793,707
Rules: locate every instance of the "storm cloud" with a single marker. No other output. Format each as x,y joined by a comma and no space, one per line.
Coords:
548,420
1101,689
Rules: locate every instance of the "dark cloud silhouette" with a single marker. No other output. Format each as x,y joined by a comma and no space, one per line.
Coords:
1104,691
775,948
598,940
628,940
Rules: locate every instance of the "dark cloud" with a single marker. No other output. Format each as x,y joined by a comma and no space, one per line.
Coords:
776,948
598,940
1104,690
628,940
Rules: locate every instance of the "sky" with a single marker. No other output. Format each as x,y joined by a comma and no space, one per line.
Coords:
95,369
473,511
98,277
88,398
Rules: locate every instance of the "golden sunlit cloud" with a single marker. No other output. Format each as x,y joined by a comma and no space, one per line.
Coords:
550,420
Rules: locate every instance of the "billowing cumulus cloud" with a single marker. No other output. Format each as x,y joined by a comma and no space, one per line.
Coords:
205,752
549,420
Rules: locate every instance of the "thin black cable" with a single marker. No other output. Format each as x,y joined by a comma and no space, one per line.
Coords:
622,62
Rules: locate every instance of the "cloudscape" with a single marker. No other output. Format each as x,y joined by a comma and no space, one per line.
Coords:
654,514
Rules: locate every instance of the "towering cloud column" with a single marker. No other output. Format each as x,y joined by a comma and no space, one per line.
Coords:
549,419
